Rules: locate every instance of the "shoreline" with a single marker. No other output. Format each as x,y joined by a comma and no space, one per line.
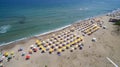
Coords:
50,31
76,46
57,29
38,35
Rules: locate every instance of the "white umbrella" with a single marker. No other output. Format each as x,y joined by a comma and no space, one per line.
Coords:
31,46
56,47
104,27
94,39
3,57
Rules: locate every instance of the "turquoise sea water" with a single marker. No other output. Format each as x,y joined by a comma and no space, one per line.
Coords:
24,18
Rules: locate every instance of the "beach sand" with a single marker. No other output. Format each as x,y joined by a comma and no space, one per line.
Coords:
93,54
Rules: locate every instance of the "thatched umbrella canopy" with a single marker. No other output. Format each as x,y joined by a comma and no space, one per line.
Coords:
43,50
64,47
51,50
67,47
60,50
30,51
37,41
6,54
12,53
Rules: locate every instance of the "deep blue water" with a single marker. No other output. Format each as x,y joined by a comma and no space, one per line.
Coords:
24,18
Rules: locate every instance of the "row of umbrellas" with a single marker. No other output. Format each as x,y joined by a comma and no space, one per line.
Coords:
58,43
91,29
88,28
5,56
59,48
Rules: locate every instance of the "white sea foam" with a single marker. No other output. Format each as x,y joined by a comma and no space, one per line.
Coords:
4,28
53,30
1,44
83,9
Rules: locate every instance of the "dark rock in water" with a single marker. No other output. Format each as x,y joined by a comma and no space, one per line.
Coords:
113,20
22,21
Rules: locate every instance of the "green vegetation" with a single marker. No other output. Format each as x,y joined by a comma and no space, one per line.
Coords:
117,27
46,66
117,23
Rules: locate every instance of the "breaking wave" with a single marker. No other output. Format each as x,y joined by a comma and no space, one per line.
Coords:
4,28
83,9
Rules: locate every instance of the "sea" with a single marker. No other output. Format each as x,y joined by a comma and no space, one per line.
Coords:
20,19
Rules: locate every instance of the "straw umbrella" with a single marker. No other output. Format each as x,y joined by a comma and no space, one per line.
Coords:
6,54
67,46
63,48
56,47
51,50
38,44
43,50
59,51
37,40
30,51
12,53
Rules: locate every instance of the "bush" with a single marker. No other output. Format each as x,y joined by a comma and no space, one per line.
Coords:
117,23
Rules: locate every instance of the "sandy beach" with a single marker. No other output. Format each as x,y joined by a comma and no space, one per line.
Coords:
92,54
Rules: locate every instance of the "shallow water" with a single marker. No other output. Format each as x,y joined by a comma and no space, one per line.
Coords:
24,18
